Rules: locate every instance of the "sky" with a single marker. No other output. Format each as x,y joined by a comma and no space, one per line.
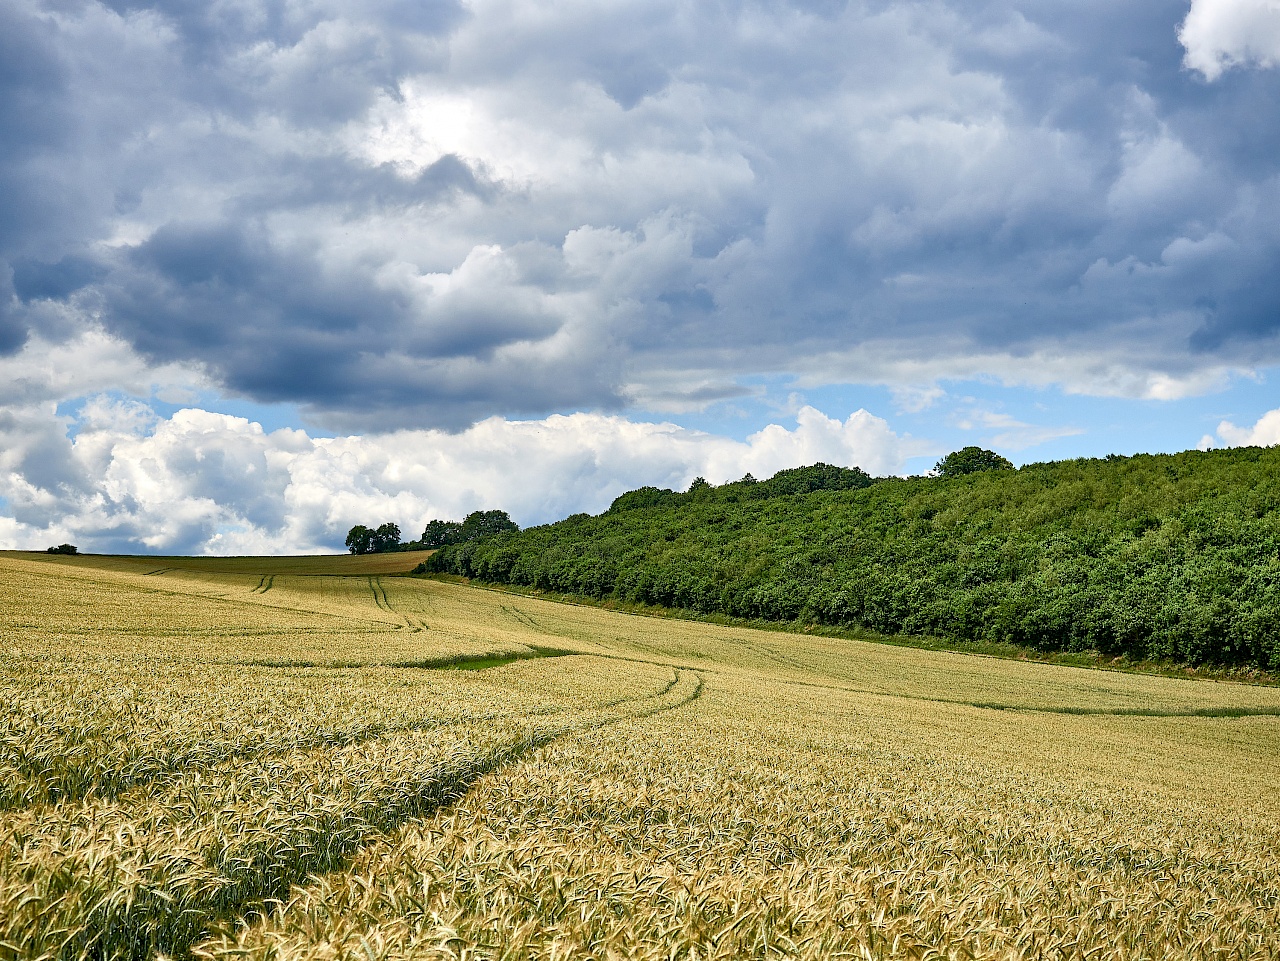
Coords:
272,269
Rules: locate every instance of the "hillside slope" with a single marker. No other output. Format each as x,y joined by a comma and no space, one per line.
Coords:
273,766
1153,556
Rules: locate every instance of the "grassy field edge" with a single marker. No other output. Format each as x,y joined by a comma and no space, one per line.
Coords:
1086,660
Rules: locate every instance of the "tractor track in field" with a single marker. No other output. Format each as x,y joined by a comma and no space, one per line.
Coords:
162,926
383,602
1138,712
108,784
521,617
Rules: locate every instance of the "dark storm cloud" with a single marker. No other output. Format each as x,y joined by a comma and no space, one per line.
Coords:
330,58
410,213
13,327
33,280
279,325
31,86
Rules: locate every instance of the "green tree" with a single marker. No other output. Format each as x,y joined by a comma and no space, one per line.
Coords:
360,540
643,497
440,533
483,523
818,477
477,524
385,538
970,460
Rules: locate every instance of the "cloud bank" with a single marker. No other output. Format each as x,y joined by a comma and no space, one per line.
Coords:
115,477
439,228
406,215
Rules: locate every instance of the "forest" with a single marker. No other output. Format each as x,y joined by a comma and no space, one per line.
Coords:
385,538
1173,557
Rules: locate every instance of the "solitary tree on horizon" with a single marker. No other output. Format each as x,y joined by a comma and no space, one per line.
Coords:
971,460
360,540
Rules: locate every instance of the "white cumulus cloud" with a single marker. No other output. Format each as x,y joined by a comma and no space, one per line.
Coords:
1264,433
204,482
1220,34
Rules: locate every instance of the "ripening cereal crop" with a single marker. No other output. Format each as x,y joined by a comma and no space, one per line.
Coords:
278,758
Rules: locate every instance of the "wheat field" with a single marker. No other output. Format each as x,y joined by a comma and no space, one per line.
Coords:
294,758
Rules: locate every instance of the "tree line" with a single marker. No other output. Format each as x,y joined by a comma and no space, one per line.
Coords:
1153,556
438,533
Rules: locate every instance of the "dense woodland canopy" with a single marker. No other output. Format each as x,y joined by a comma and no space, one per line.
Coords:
1152,556
374,540
438,533
477,524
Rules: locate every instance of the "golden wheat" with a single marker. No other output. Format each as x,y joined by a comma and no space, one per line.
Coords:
255,759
